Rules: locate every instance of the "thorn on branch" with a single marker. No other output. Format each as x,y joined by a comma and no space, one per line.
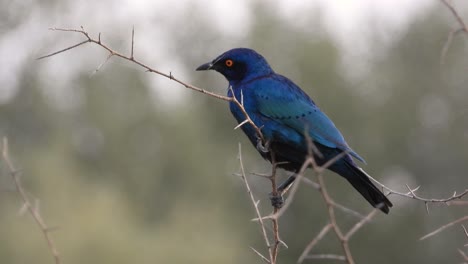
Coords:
129,58
241,124
27,205
133,38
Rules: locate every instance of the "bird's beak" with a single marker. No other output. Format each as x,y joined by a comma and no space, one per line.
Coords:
205,67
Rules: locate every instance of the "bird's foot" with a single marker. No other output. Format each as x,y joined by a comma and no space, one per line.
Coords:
277,200
263,148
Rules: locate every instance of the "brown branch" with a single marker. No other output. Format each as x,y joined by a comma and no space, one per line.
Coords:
326,256
278,213
456,15
98,42
27,205
459,203
131,58
462,28
412,193
133,43
438,230
361,223
465,231
63,50
170,76
314,242
464,256
260,255
331,214
257,210
274,221
310,162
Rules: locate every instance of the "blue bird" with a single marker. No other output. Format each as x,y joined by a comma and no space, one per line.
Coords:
285,113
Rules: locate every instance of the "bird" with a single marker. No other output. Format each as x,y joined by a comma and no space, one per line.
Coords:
288,119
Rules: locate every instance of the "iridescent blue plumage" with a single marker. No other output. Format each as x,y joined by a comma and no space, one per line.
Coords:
285,114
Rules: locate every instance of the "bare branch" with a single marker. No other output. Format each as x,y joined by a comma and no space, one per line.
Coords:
331,214
141,64
448,42
361,223
274,221
314,242
460,203
257,210
464,256
102,64
32,209
309,162
260,255
444,227
63,50
456,15
462,28
412,193
133,41
294,189
326,256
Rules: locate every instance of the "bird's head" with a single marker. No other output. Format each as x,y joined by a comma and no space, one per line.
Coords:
239,64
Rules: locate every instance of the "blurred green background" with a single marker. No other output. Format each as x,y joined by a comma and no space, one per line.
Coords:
133,168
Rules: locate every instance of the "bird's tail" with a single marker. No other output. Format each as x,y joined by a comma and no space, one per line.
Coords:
361,182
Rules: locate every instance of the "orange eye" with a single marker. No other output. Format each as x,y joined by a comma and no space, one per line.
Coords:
229,63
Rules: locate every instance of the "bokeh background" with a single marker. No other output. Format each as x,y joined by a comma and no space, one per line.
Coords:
133,168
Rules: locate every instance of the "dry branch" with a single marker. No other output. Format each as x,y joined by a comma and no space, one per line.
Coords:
257,210
460,220
461,29
309,162
27,205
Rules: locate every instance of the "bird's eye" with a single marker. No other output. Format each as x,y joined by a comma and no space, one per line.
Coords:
229,63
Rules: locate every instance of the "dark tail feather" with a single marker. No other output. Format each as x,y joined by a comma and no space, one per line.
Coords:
361,182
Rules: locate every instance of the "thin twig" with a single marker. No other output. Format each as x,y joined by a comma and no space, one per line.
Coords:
232,99
314,242
260,255
255,203
459,203
466,232
464,256
456,15
465,218
448,42
331,214
293,191
33,210
274,221
63,50
326,256
462,28
102,64
361,223
337,205
412,193
141,64
331,204
131,58
133,41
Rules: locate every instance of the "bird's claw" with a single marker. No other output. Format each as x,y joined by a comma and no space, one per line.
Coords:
263,148
277,200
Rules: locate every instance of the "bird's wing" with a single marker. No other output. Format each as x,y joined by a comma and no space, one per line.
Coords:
280,99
